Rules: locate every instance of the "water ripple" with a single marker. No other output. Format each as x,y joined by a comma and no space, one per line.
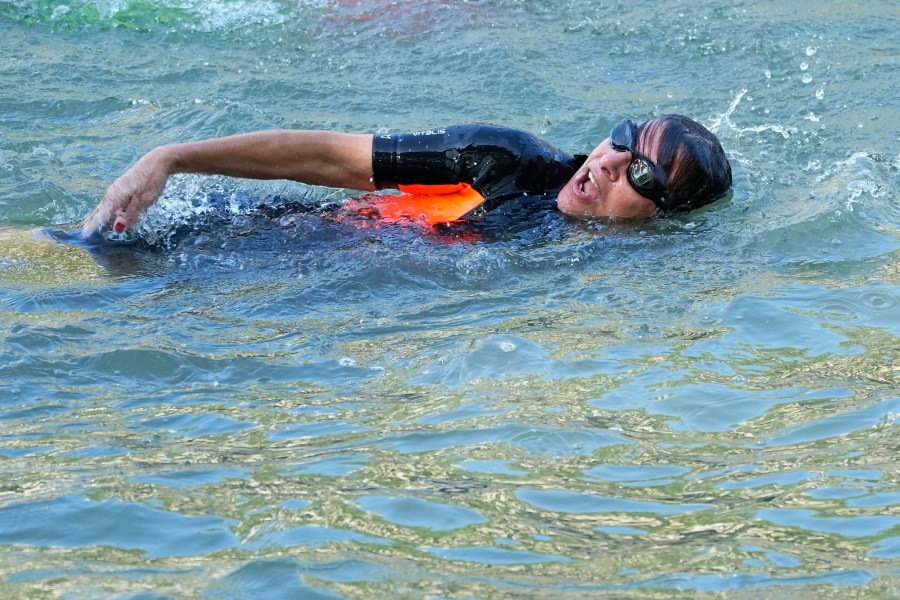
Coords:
77,522
253,400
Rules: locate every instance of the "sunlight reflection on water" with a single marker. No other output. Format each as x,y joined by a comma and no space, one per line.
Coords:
253,400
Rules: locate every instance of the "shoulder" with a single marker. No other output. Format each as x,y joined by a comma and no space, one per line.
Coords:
478,134
496,134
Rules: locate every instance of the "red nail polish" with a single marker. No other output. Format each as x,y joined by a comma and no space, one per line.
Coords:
119,227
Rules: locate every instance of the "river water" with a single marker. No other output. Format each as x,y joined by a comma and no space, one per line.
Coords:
255,402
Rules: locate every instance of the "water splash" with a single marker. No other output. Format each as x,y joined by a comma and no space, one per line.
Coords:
725,119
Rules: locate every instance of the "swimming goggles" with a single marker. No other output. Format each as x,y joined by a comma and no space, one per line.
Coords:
645,178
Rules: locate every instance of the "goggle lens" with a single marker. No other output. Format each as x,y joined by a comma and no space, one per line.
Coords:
642,175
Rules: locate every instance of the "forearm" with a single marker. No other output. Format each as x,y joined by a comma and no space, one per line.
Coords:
314,157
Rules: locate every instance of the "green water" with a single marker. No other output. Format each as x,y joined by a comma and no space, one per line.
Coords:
247,406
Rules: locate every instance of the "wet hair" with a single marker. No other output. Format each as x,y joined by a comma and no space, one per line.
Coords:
697,170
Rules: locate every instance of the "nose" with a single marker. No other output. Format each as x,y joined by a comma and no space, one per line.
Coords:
615,163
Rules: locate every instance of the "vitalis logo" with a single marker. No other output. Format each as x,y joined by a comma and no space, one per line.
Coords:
431,132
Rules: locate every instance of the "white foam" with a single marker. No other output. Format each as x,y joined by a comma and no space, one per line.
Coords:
208,15
725,119
183,200
217,15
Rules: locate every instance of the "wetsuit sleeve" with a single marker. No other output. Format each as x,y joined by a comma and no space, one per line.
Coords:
421,158
436,157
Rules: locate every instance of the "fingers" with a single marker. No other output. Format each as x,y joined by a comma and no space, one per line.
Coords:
111,208
125,211
125,219
92,223
128,197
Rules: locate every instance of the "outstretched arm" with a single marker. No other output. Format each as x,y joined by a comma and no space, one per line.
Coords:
313,157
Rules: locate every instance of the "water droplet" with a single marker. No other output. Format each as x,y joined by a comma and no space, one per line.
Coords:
804,66
820,93
807,78
810,50
507,346
768,74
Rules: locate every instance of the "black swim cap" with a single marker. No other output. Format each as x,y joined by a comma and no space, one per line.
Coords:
697,170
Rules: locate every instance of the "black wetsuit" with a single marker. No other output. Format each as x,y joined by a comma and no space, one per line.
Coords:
498,162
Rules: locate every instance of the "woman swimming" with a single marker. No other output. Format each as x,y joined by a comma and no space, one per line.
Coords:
664,165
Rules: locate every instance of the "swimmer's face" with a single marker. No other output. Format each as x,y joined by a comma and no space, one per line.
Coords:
600,188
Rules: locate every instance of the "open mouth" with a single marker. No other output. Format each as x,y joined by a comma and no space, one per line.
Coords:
586,187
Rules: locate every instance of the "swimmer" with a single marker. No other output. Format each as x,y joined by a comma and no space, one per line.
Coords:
664,165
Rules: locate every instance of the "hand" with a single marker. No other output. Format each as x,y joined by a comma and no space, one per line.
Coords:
130,195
